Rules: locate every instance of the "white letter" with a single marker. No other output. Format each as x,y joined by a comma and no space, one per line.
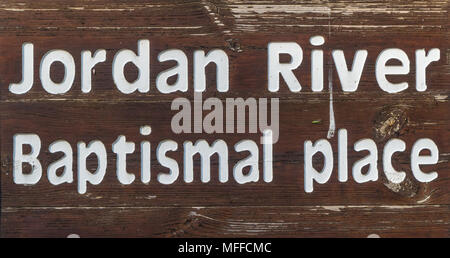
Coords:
27,71
422,61
275,68
349,79
121,147
202,147
382,69
268,155
220,58
84,176
141,61
145,162
392,146
251,161
171,164
317,64
19,158
371,160
66,161
417,160
181,69
87,63
342,156
311,173
69,71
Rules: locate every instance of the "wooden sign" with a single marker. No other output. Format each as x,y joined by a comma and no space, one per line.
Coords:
224,119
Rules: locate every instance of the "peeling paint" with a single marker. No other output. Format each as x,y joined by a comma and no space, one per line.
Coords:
333,208
441,98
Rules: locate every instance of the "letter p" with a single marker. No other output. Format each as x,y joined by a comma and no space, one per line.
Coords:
311,173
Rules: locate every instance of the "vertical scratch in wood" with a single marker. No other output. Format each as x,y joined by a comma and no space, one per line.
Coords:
332,127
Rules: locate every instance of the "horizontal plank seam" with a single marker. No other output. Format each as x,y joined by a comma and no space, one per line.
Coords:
232,207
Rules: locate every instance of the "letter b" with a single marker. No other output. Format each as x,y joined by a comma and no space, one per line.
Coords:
20,158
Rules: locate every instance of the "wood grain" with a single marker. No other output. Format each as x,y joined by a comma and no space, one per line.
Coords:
273,221
89,121
242,29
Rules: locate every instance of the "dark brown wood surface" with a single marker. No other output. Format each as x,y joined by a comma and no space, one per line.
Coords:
242,29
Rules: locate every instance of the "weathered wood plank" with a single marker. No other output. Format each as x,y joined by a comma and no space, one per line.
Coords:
243,30
247,61
303,221
89,121
222,17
